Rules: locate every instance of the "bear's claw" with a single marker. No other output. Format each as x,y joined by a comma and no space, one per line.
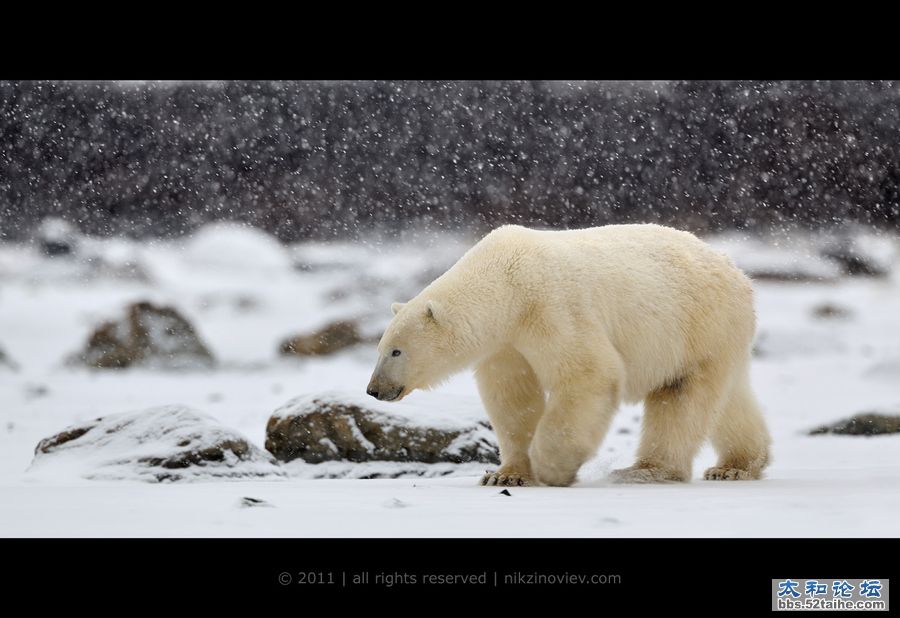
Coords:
507,480
717,473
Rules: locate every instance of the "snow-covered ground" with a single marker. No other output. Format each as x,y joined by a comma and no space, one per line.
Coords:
244,293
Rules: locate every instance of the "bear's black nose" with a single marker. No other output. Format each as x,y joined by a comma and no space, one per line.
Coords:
372,391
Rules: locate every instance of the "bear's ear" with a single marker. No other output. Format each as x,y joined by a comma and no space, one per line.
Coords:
396,307
433,311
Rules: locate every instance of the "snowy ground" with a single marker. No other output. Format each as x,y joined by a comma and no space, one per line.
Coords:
244,293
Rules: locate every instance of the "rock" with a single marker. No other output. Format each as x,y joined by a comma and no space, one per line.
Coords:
854,260
333,338
771,259
865,424
167,443
57,237
149,336
829,311
231,246
320,429
248,502
6,362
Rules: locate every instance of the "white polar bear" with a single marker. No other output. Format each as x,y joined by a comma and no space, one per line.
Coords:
562,326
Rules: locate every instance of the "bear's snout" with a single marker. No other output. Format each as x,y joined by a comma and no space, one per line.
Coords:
383,392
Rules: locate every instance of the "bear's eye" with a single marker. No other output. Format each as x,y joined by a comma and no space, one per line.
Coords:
395,353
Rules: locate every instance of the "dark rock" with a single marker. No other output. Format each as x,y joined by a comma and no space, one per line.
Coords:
169,443
865,424
322,429
333,338
786,276
248,502
828,311
505,492
148,336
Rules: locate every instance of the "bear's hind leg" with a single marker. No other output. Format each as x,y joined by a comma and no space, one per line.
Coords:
740,437
514,401
678,418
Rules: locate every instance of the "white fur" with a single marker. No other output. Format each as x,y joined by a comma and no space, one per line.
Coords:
564,325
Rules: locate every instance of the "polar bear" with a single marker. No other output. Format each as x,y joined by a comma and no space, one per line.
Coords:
562,326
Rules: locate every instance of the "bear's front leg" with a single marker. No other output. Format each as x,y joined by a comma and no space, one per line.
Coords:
514,402
577,418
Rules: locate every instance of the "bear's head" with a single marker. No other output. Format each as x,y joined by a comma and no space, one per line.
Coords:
419,349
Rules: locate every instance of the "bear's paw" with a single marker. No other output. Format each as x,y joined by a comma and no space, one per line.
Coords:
645,474
717,473
507,479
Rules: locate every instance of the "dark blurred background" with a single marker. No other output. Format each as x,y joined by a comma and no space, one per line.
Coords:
340,159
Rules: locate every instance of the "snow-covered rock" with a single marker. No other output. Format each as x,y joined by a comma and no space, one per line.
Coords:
166,443
57,237
232,246
766,259
858,258
148,336
342,427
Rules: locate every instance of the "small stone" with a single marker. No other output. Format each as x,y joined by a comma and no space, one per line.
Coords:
829,311
6,362
247,502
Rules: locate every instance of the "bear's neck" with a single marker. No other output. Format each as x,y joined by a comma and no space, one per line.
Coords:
482,307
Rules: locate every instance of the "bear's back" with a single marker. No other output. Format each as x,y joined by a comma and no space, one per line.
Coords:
662,296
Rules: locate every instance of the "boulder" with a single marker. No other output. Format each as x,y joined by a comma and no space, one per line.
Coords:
865,424
148,336
332,338
324,428
167,443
